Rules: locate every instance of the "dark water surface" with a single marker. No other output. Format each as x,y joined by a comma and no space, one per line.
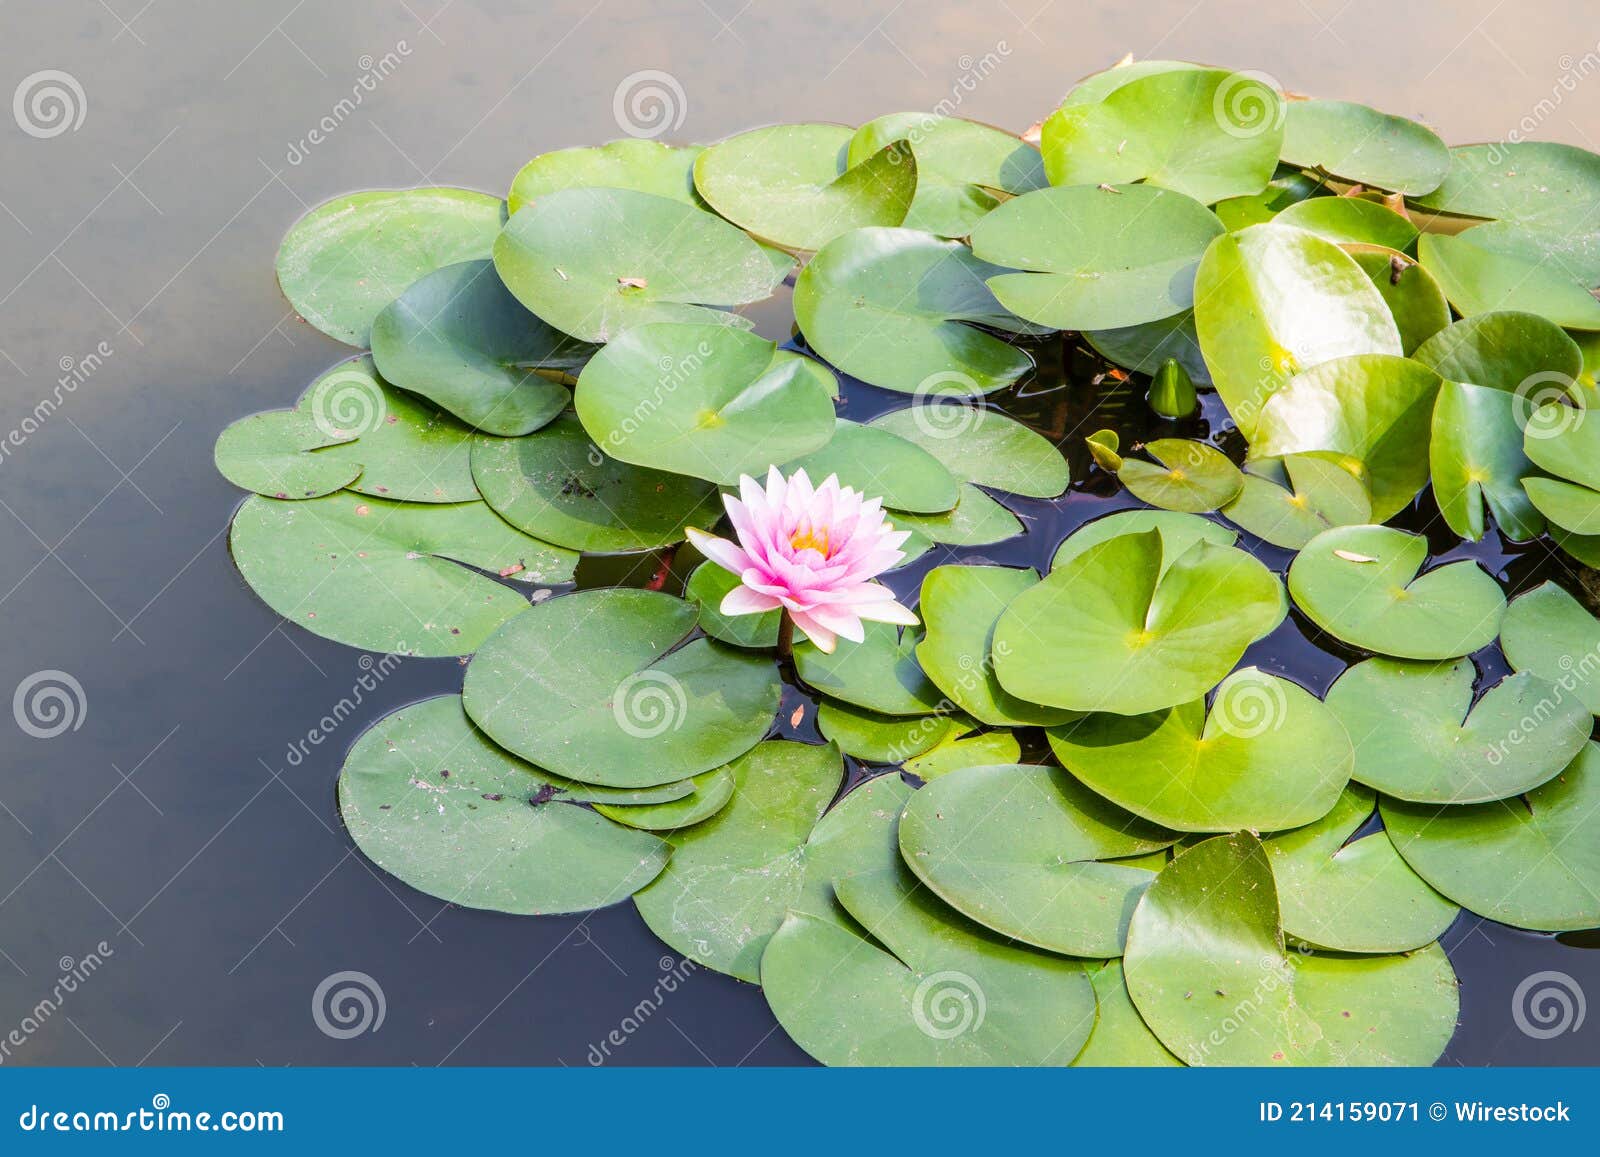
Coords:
171,823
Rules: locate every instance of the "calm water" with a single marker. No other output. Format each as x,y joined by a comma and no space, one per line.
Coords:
136,259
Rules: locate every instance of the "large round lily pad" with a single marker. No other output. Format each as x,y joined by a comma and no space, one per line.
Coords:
557,484
961,605
1017,849
732,878
1488,268
592,262
898,308
1271,301
642,165
1531,862
349,257
431,801
981,446
273,453
1361,144
1267,755
1350,221
1179,532
459,339
1352,894
976,520
1207,970
1548,633
793,185
1204,132
708,401
1114,630
880,673
881,464
1289,501
1362,585
929,988
1503,350
964,169
599,687
1096,258
391,576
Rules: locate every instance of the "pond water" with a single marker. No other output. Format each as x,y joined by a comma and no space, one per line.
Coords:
182,833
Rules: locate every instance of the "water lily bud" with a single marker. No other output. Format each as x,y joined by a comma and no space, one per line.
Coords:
1103,446
1172,391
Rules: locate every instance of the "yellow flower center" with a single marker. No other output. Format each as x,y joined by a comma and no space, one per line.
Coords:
807,538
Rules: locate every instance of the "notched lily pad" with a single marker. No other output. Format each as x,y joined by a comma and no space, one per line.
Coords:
1288,501
272,453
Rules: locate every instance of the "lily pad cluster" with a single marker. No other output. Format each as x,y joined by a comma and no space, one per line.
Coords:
1075,816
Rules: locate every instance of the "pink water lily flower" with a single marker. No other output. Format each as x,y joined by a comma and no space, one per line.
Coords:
812,552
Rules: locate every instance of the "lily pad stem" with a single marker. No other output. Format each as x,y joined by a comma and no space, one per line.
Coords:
785,635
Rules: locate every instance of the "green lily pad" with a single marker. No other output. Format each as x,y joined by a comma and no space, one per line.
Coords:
1415,299
1144,349
1267,755
596,687
1271,301
1482,271
982,446
556,484
1289,501
1476,458
1099,85
1375,409
790,184
898,307
1120,1039
644,166
1361,585
1548,633
707,587
593,262
1207,970
880,673
961,605
1017,849
1288,186
404,448
271,453
1365,146
964,169
390,576
855,837
712,792
1111,630
1204,132
879,738
1192,477
939,990
986,749
1349,220
883,465
976,520
1178,533
459,339
1353,895
1417,740
1561,440
348,258
1532,862
1575,509
430,801
1096,258
1503,350
732,878
708,401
